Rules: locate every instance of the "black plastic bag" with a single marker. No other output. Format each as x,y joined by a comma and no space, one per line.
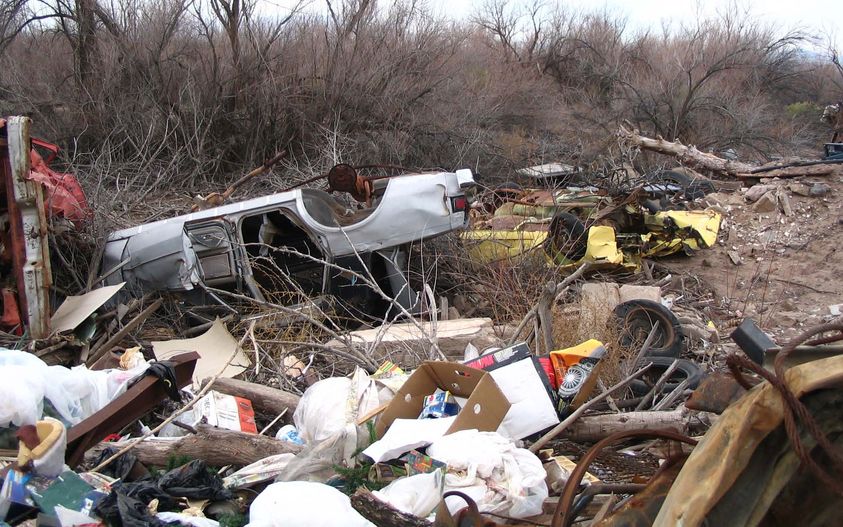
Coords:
133,513
120,467
193,480
128,501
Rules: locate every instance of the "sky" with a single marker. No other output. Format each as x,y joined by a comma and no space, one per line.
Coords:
817,17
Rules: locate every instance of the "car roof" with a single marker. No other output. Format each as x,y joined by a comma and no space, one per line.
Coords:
223,210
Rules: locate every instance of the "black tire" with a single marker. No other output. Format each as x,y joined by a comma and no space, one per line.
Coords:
566,236
684,370
636,318
692,187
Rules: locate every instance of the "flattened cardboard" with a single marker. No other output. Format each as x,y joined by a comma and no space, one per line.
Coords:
75,309
214,347
484,410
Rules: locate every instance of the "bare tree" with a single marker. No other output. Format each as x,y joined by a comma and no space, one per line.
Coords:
12,20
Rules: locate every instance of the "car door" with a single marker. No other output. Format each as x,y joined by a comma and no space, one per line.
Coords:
210,245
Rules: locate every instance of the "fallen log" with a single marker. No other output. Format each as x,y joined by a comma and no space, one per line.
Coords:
795,171
596,427
264,398
687,155
381,513
690,156
215,446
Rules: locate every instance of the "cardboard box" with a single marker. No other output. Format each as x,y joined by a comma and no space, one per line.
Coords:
484,410
532,400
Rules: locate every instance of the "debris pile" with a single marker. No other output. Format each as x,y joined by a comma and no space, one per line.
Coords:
328,388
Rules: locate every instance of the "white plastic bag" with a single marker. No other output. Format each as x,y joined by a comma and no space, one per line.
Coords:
330,405
75,393
22,388
326,420
513,478
321,412
417,495
304,504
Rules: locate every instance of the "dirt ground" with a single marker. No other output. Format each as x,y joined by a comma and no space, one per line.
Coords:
783,270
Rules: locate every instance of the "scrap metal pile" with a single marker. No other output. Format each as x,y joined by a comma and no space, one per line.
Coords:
418,416
571,224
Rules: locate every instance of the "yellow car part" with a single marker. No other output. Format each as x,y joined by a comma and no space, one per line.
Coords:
487,246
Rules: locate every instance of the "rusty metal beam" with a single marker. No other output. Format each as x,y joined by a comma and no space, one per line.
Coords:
28,225
139,399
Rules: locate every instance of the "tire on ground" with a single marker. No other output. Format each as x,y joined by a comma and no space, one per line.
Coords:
685,370
635,319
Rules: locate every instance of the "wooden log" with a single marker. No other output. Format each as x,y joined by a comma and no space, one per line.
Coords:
381,513
687,155
596,427
690,156
215,446
795,171
264,398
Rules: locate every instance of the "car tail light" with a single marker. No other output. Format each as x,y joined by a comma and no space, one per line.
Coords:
459,204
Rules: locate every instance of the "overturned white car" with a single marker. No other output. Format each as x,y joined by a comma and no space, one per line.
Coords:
294,245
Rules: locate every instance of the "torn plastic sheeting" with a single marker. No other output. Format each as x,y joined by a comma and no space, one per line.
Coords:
117,469
75,393
259,471
417,495
127,502
326,419
331,405
194,481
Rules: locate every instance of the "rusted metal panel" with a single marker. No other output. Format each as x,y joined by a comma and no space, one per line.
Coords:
28,225
139,399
